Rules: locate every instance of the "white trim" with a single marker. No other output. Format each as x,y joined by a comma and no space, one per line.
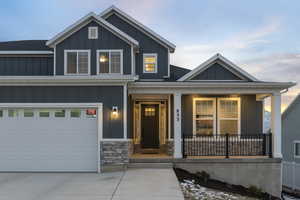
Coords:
207,63
115,140
25,52
169,117
90,29
239,113
150,54
109,55
66,105
82,22
295,142
66,51
177,125
125,110
132,61
214,113
54,61
106,13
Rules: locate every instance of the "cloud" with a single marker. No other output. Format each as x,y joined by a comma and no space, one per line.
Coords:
233,46
283,67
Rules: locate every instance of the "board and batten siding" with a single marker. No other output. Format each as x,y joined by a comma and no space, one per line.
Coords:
251,114
147,45
26,65
106,40
290,132
108,95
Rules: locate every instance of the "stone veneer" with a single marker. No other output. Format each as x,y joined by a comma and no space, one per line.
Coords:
170,147
115,152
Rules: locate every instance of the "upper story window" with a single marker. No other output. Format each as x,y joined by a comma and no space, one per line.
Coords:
93,32
109,61
297,149
77,62
150,62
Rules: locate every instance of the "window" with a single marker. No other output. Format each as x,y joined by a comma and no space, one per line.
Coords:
109,61
93,32
228,115
13,113
204,116
77,62
210,118
150,63
60,113
297,149
1,113
28,113
75,113
149,112
91,113
44,113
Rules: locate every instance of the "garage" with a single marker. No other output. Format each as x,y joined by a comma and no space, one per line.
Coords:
52,137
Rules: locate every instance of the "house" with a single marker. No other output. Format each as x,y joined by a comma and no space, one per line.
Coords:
103,93
291,145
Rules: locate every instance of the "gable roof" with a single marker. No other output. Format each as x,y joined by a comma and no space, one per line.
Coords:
177,72
24,45
295,102
84,21
230,66
112,9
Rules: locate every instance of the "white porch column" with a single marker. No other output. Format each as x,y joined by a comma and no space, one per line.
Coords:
177,125
276,124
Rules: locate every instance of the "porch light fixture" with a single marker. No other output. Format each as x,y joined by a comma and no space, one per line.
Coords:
115,111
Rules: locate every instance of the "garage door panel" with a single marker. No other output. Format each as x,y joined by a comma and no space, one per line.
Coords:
48,144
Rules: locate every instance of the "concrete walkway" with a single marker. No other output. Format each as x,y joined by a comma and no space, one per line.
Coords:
134,184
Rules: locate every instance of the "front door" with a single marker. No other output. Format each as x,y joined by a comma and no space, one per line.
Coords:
150,126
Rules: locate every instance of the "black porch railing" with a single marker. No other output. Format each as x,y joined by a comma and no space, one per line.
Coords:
227,145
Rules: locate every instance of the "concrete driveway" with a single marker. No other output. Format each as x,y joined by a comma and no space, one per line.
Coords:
133,184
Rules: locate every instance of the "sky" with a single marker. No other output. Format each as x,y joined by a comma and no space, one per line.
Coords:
262,37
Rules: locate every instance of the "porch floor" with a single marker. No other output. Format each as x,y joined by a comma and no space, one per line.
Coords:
143,155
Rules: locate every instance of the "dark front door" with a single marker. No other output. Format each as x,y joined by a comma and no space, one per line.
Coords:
150,126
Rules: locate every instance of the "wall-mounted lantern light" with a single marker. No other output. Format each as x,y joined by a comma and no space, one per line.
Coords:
115,111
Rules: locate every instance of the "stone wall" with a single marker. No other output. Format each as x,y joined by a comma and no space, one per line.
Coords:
115,152
170,147
263,173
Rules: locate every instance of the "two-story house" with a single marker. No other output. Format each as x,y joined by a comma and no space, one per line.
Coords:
103,93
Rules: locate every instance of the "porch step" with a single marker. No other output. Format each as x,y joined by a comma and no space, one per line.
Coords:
151,165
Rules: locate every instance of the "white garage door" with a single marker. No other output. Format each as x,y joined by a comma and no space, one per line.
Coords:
39,139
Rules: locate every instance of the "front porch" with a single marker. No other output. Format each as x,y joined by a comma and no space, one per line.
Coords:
206,124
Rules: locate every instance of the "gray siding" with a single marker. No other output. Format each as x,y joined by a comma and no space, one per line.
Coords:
108,95
26,66
216,72
147,45
251,114
106,40
290,132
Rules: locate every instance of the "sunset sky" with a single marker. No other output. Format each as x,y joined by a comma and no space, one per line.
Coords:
262,37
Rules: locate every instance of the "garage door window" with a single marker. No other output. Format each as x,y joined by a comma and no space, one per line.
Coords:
44,113
60,113
13,113
28,113
1,113
91,113
75,113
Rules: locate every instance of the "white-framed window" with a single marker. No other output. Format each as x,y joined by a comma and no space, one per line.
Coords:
44,113
75,113
77,62
297,149
12,113
150,63
60,113
93,32
28,113
229,115
213,116
110,61
204,116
